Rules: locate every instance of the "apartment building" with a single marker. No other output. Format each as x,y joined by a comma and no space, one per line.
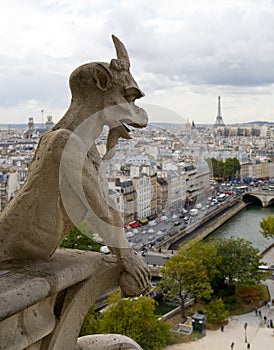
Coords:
175,188
162,194
9,185
143,188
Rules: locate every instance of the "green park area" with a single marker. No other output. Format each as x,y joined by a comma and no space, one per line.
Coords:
221,276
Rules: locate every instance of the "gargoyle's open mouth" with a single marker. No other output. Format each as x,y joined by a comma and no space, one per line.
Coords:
125,130
136,116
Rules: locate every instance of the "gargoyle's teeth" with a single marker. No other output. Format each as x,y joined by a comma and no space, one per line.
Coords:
127,129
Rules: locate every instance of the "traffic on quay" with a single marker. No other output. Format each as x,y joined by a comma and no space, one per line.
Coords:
180,222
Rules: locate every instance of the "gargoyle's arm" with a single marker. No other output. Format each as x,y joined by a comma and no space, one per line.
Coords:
84,191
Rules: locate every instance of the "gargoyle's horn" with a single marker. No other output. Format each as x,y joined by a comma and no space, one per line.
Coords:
121,53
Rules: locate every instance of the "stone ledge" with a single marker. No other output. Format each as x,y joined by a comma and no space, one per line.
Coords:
26,285
43,304
17,292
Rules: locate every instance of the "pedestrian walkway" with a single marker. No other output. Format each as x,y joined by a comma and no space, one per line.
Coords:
257,334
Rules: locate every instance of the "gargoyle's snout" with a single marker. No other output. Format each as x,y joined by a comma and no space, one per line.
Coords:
138,116
132,93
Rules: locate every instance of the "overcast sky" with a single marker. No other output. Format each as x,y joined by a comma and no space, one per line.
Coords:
184,53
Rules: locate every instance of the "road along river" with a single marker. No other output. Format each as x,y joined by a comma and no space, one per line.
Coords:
239,222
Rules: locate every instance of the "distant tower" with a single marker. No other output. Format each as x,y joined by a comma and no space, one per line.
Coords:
49,122
42,115
30,123
219,120
187,125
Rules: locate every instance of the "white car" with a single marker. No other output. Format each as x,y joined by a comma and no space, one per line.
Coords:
104,249
129,234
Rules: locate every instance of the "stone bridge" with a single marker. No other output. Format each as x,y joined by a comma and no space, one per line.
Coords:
266,198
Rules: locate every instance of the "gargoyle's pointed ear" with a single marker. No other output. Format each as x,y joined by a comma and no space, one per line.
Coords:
102,76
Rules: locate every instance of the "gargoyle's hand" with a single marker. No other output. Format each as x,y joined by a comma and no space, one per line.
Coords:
135,279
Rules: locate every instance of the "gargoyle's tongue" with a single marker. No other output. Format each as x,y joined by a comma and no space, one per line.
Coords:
113,135
124,131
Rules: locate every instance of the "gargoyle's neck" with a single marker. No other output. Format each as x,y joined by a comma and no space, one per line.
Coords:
77,113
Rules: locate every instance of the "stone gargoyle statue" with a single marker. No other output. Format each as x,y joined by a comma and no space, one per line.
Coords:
66,183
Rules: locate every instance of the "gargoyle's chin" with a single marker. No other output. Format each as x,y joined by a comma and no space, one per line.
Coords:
109,154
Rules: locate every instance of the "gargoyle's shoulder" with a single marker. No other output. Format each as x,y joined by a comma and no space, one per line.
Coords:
56,138
53,143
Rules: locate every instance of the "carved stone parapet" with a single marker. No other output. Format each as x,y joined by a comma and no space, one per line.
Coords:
107,342
43,304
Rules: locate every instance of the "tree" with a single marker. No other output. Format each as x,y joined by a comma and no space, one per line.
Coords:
184,275
240,261
199,268
207,252
267,227
78,238
231,168
219,170
133,317
216,167
216,312
228,169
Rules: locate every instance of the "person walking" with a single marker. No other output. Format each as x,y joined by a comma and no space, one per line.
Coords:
232,345
248,346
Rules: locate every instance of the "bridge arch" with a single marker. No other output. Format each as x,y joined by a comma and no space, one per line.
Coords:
265,198
251,198
271,202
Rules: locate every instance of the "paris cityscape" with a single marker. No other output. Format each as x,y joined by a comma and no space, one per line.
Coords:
163,166
136,175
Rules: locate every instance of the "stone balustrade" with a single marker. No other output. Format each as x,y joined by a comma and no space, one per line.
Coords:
43,304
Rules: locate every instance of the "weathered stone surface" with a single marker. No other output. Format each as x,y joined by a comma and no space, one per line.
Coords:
29,326
66,182
52,306
18,291
106,342
28,284
45,292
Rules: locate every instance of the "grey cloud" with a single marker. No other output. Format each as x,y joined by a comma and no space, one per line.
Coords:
230,47
234,49
22,84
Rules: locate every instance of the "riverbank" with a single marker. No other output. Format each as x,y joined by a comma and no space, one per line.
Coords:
206,225
268,255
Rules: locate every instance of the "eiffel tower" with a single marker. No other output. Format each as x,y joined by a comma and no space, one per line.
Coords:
219,120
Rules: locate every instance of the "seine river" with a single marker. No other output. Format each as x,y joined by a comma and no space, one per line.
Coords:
246,225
